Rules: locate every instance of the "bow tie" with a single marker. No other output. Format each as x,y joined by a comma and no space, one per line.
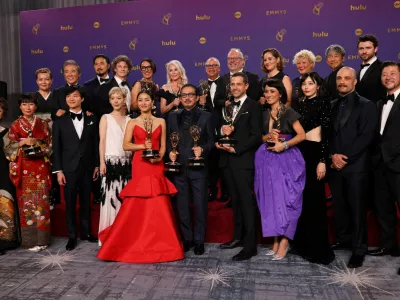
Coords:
75,86
210,82
236,103
364,65
123,83
389,98
103,80
74,115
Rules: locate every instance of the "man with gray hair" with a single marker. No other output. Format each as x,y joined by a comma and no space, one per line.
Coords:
334,55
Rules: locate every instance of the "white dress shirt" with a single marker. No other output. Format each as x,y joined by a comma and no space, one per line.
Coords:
370,62
128,94
213,89
237,108
102,82
386,111
78,124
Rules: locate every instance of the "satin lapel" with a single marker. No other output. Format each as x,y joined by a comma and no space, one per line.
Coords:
380,109
395,108
86,122
370,70
179,125
69,123
351,103
242,109
335,111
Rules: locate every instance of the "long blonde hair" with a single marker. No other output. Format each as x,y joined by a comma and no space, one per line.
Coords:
180,68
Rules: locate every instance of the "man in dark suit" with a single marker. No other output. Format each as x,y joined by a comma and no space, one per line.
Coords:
236,64
334,55
101,64
76,162
191,182
369,84
3,89
120,66
354,120
237,163
386,161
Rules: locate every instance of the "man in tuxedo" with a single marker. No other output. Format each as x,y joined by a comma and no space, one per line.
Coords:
3,89
334,55
386,161
191,182
101,64
369,84
236,64
120,66
354,120
237,163
76,162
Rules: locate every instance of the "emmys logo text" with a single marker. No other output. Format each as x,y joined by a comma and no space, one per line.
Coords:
353,57
97,47
129,22
168,43
36,51
199,64
239,38
358,7
203,18
68,27
319,34
393,30
275,12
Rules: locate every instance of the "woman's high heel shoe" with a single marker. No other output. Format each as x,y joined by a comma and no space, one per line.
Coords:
277,257
270,252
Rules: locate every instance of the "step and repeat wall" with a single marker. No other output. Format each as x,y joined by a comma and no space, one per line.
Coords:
192,31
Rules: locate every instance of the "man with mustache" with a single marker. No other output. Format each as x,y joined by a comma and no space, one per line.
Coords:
386,161
354,121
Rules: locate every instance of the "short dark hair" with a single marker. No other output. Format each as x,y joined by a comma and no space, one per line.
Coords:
277,84
145,92
314,76
275,53
390,63
243,75
28,98
120,58
101,56
151,62
73,63
191,86
368,38
3,104
70,89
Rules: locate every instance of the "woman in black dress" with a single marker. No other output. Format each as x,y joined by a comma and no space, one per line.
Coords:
8,208
311,239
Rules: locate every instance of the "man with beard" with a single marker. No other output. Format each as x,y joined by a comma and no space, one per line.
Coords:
335,55
369,84
354,119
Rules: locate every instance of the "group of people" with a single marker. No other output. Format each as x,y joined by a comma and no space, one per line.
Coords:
270,142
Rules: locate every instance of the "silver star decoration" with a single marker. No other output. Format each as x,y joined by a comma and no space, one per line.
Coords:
215,277
350,277
55,260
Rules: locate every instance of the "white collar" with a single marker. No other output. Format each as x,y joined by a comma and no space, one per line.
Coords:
241,99
98,77
213,79
76,112
396,93
371,61
119,80
241,70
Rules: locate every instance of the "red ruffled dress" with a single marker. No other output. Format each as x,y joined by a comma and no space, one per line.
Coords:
144,230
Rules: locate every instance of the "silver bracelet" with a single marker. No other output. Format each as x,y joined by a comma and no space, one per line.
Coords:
286,145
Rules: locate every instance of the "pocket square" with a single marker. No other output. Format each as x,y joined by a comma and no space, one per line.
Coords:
91,123
246,112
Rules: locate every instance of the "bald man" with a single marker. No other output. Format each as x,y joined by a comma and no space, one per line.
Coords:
354,120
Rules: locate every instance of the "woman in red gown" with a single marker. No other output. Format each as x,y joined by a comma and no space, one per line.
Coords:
144,230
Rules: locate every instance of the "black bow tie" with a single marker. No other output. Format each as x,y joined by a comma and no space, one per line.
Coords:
210,82
237,103
364,65
103,80
389,98
124,83
74,115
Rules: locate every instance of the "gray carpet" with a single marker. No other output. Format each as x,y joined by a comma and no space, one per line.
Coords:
57,274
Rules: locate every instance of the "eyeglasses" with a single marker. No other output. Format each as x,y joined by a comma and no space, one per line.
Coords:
188,95
212,66
233,58
144,68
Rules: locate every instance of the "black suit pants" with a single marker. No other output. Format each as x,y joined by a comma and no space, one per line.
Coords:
349,192
387,194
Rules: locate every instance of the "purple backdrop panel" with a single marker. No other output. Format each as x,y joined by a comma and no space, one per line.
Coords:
192,31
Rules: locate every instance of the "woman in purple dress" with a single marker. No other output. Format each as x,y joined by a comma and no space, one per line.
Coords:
279,170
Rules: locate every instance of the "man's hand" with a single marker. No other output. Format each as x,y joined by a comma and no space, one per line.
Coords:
227,103
95,174
227,130
339,161
60,112
202,100
197,151
61,178
173,155
226,148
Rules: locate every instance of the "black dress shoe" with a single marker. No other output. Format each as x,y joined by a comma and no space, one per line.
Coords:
244,255
385,251
231,244
340,246
90,238
199,249
71,245
356,261
187,245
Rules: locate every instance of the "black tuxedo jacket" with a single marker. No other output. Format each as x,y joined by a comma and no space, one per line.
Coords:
353,134
206,141
100,102
3,89
218,104
91,88
370,86
253,92
70,151
248,131
388,144
330,84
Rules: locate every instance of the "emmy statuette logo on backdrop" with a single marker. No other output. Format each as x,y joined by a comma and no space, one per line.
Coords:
317,8
358,32
35,29
280,34
238,15
165,19
96,25
202,40
65,49
396,4
132,44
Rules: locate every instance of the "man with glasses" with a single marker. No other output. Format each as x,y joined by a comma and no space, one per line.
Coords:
191,183
236,63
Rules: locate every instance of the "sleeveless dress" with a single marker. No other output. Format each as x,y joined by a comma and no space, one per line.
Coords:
279,182
144,230
118,172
